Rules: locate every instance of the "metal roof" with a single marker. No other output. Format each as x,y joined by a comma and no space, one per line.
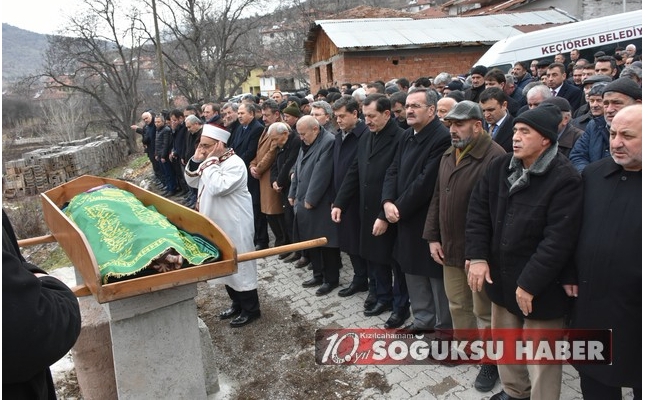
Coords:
389,33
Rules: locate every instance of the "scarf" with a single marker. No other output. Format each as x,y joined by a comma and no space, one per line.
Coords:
520,176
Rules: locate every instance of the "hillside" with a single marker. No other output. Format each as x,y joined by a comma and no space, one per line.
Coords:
22,52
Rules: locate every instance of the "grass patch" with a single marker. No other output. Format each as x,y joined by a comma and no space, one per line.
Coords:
56,259
136,162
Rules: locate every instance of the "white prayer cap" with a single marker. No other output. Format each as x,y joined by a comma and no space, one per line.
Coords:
216,133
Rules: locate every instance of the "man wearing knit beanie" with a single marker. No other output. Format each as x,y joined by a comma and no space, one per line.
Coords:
291,114
477,83
544,120
593,145
522,226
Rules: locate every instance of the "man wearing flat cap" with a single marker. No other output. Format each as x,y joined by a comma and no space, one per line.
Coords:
586,86
521,230
593,145
221,178
461,166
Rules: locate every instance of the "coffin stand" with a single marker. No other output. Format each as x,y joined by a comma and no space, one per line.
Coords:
152,319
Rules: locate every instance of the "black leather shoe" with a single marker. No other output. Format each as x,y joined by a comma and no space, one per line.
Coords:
370,302
243,319
504,396
303,261
396,320
378,309
229,313
312,282
352,289
284,255
487,377
294,257
325,288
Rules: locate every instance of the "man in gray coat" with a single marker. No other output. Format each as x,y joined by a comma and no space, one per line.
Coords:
311,194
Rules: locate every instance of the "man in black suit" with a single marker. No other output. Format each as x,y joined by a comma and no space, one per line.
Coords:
497,121
556,81
364,184
245,144
350,134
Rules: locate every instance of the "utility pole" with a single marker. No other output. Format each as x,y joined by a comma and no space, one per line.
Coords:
159,56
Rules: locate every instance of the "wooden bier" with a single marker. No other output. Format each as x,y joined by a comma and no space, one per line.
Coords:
75,245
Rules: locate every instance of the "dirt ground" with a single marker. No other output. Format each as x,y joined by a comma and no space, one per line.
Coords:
271,361
275,360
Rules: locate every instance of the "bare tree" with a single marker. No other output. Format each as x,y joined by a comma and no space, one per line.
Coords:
102,56
66,118
210,47
295,18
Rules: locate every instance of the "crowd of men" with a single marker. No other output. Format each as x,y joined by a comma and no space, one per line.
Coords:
491,200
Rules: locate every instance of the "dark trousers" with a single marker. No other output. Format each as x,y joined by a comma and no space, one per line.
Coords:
326,264
399,290
277,224
261,236
382,274
156,167
168,173
178,174
361,273
592,389
391,286
246,301
288,217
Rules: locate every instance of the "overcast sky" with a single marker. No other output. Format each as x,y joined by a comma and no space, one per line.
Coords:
39,16
43,16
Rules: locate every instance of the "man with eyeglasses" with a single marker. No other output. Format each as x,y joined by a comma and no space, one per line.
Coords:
323,112
220,176
407,190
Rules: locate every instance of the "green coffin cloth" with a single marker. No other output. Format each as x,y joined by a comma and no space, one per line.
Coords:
126,236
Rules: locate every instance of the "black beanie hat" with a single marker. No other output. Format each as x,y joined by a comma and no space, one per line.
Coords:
479,69
544,119
625,86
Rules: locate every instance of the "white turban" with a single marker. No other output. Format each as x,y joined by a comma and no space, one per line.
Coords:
216,133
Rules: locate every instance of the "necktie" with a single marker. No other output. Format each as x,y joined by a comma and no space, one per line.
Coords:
494,129
554,92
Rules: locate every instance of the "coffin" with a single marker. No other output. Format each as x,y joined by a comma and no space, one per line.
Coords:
78,250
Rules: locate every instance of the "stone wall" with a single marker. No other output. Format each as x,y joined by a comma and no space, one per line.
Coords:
45,168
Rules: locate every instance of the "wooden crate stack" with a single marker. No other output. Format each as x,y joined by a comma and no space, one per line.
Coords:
43,169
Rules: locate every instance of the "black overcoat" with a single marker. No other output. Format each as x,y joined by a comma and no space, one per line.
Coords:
364,181
344,152
409,184
610,269
528,236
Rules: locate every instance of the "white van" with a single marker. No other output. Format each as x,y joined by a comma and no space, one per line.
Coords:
590,36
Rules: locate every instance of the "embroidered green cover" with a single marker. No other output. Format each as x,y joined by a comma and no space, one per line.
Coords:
126,236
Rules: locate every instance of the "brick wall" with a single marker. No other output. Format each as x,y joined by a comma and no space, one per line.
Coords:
363,67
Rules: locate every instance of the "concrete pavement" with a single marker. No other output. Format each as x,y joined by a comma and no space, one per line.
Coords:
283,281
